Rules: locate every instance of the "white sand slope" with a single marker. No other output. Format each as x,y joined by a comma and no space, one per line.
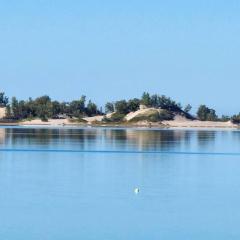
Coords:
140,112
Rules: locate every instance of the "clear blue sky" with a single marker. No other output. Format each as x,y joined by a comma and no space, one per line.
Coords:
110,50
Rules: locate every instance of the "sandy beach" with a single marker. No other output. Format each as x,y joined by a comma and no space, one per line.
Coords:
182,122
50,122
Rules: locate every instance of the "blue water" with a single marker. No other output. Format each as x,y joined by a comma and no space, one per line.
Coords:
79,184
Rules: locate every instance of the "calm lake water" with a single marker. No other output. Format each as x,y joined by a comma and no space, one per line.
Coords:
67,184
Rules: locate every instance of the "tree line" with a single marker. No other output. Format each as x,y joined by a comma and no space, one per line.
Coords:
44,108
155,101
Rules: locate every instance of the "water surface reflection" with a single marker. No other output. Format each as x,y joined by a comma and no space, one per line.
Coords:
120,139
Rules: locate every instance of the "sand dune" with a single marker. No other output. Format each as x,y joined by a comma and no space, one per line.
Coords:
179,121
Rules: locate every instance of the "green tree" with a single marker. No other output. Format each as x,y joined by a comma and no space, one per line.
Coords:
31,108
22,110
109,107
65,108
91,108
206,114
133,105
121,107
77,107
14,106
43,107
8,112
236,119
146,99
188,108
3,100
212,116
168,104
56,108
155,100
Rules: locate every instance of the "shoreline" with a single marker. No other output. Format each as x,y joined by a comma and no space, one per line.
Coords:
173,124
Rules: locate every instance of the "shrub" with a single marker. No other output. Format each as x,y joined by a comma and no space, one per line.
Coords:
225,118
44,119
165,115
236,119
115,117
78,120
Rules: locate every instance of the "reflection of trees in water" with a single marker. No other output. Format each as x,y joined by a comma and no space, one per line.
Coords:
106,139
161,140
205,137
115,138
115,134
236,135
148,139
49,137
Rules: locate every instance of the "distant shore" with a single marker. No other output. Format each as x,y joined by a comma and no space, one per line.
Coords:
176,123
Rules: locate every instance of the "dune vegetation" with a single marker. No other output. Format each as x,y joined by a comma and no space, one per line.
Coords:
151,108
